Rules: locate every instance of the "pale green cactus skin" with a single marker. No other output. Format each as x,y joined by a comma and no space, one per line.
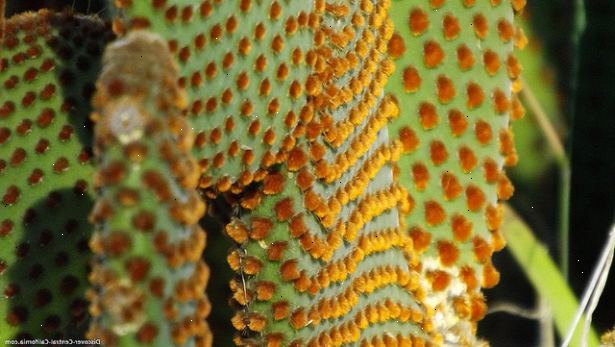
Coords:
434,84
295,120
236,64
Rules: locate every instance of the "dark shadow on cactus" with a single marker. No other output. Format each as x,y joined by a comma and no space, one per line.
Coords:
79,49
49,278
219,213
46,275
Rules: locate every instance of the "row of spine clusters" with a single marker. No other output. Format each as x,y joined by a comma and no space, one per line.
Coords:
457,81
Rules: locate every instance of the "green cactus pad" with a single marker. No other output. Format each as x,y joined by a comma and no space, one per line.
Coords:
48,64
148,276
242,64
322,258
455,86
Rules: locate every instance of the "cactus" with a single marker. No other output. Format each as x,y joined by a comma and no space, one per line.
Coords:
291,124
242,65
324,169
148,244
325,260
456,84
48,64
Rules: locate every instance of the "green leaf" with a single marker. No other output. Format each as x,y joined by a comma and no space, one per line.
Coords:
544,275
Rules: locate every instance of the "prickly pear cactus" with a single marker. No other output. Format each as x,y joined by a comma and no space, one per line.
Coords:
323,260
362,215
48,64
308,253
456,85
148,278
242,64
